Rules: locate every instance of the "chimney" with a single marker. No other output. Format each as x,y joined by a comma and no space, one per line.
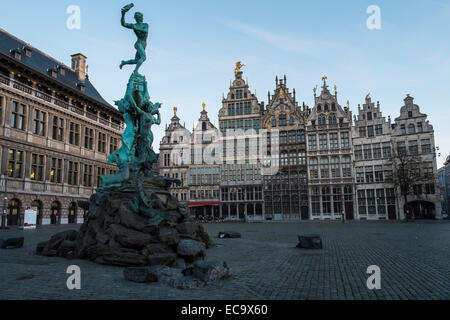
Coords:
79,65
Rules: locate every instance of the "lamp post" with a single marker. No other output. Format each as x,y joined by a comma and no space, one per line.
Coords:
4,214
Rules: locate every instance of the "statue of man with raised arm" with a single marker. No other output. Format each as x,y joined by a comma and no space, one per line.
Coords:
141,30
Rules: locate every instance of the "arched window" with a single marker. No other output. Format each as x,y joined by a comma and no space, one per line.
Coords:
55,212
319,107
72,213
326,107
291,121
37,204
411,128
13,214
333,107
282,120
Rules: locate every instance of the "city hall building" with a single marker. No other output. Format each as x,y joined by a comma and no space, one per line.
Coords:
56,132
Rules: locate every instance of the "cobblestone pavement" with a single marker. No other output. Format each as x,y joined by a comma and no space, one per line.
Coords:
414,259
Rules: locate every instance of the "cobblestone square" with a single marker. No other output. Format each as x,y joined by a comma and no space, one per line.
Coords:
414,259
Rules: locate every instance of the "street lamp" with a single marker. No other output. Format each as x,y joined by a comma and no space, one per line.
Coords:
4,214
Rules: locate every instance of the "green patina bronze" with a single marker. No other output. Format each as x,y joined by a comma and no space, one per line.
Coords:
136,157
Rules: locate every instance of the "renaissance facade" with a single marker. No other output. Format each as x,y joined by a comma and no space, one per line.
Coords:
314,163
56,132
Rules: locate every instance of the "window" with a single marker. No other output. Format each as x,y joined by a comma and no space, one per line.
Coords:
100,172
426,146
87,175
376,147
346,167
429,188
371,201
56,170
113,142
18,114
387,151
369,115
401,147
284,158
314,168
345,140
283,120
324,168
291,121
74,134
326,200
89,138
410,114
379,174
300,136
101,142
360,175
312,142
37,167
323,143
335,168
358,153
274,123
73,173
419,127
403,129
369,174
370,132
367,152
413,147
39,121
58,129
379,129
283,137
362,202
315,201
362,131
15,163
411,128
302,158
334,143
388,173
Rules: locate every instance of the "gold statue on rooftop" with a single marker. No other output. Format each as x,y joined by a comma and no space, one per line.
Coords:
238,68
368,96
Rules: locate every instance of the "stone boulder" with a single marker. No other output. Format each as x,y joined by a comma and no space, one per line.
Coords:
191,250
139,274
11,243
311,241
209,271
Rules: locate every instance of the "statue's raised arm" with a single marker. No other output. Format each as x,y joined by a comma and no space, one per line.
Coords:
124,11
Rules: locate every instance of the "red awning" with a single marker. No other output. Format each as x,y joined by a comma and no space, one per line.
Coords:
202,204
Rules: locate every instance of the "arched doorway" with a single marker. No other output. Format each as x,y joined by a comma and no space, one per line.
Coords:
421,210
55,213
37,204
72,213
13,213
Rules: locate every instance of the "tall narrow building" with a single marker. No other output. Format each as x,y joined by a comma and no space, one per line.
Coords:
330,158
414,135
240,124
174,157
203,174
285,180
372,147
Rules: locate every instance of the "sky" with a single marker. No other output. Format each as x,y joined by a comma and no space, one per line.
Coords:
194,45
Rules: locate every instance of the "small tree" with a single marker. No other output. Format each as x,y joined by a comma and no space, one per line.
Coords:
409,173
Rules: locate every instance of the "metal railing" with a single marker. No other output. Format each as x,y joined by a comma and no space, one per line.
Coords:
60,103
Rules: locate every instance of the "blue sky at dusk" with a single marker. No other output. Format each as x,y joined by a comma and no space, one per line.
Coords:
193,46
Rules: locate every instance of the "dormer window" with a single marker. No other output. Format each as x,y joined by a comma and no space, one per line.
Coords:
62,70
16,53
82,86
27,51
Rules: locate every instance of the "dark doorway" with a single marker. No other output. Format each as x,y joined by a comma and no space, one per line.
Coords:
37,204
55,213
241,208
305,213
392,214
13,213
349,211
72,213
421,209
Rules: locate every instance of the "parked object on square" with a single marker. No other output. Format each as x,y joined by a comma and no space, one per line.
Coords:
229,235
311,241
11,243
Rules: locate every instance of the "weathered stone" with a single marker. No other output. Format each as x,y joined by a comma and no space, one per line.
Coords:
174,278
188,271
130,219
121,258
162,259
12,243
70,235
229,235
311,241
54,243
40,247
129,238
209,271
191,250
190,228
156,248
66,248
168,235
139,275
179,264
